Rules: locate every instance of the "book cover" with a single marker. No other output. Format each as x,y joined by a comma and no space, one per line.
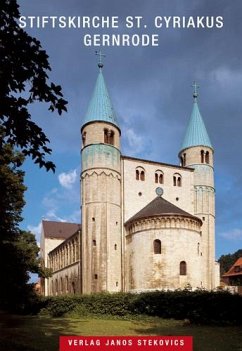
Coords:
145,197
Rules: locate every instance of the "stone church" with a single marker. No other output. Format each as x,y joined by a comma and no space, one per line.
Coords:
145,225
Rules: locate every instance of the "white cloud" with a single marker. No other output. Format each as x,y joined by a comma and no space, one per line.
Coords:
67,180
35,229
135,141
234,234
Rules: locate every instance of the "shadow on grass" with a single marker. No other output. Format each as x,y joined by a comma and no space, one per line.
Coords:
209,338
35,333
32,333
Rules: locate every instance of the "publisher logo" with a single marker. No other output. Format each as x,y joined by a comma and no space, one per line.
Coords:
125,343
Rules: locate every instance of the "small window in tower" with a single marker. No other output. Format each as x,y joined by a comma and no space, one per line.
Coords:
207,157
106,136
111,137
183,268
198,248
202,156
115,246
184,159
84,135
95,276
157,246
116,283
93,219
94,243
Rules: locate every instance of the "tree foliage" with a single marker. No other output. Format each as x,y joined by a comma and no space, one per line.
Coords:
24,80
18,249
12,191
226,261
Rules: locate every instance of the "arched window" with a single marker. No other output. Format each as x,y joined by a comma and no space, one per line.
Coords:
202,156
183,268
159,178
137,174
108,136
84,135
198,248
140,173
111,137
177,179
157,246
207,157
184,160
174,180
156,178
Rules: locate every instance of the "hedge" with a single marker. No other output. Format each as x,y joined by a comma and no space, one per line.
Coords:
200,306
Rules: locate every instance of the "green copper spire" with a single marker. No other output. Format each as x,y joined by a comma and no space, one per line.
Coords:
100,107
196,133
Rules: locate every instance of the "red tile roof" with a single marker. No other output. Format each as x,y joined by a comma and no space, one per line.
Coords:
232,271
59,230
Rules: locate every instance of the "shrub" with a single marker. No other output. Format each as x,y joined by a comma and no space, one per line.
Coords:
199,306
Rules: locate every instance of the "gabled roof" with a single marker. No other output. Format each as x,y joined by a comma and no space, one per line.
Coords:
160,207
232,271
100,107
196,133
59,230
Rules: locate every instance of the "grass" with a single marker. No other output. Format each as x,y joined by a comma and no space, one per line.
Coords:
35,333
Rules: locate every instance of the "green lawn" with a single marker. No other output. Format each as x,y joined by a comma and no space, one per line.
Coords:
41,333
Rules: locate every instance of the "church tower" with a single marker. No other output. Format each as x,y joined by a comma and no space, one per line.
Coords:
197,152
101,193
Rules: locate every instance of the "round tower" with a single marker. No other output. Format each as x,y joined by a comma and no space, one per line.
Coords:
197,152
101,193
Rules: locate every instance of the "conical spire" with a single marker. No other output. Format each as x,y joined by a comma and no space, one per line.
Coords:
100,107
196,133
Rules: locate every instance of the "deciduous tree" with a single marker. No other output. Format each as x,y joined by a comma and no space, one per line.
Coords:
24,71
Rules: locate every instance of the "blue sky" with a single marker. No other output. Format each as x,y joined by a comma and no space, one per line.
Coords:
151,92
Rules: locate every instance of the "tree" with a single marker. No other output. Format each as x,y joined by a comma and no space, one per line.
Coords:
24,80
226,261
18,249
12,191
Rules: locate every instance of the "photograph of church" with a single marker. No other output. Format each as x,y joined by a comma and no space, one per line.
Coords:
145,225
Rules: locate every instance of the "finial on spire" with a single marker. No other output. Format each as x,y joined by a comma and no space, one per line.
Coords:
100,62
195,92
